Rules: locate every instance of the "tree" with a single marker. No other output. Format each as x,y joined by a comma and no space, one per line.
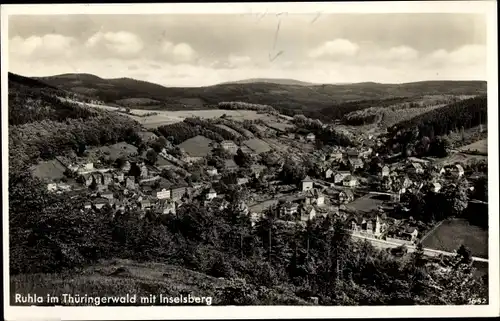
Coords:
481,189
457,197
464,255
242,159
440,147
151,157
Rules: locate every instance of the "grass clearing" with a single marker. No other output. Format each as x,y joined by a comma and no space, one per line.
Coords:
481,146
50,170
366,203
114,151
455,232
118,278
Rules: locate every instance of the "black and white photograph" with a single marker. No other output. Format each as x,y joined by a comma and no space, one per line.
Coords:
202,157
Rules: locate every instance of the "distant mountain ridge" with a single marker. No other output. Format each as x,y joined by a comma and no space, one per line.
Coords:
278,81
294,97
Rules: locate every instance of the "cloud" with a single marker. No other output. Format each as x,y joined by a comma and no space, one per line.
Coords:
401,53
119,43
46,46
180,53
334,49
465,55
239,61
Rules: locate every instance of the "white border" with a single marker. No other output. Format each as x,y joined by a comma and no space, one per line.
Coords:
488,8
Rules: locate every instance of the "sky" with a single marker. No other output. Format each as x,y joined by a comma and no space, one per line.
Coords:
204,49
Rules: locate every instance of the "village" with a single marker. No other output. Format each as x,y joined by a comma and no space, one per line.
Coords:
346,183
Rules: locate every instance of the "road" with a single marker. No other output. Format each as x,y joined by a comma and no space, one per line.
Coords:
411,248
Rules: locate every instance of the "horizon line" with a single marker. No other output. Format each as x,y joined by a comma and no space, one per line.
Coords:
266,80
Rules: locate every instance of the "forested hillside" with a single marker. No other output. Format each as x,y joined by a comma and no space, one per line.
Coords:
425,133
41,126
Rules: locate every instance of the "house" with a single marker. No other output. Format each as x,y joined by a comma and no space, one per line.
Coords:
307,213
346,196
290,208
417,168
146,136
355,163
130,182
457,170
211,194
352,153
406,182
52,187
242,208
167,207
177,193
242,181
350,181
385,171
410,233
229,146
144,171
230,165
386,183
314,196
435,187
107,195
87,179
307,184
212,171
107,178
98,178
248,151
161,193
145,204
396,197
328,173
339,177
311,137
99,202
336,155
257,170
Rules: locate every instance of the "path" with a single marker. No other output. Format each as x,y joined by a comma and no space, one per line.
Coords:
411,248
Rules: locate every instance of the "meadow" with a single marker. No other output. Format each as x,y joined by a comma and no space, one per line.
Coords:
450,234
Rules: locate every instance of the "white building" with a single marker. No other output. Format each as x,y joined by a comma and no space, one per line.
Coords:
162,194
307,184
350,181
211,194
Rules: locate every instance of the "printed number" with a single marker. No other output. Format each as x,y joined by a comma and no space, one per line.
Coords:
477,301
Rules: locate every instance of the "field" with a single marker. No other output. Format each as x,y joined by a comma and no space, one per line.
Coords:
257,145
480,146
51,170
454,232
114,151
462,158
198,146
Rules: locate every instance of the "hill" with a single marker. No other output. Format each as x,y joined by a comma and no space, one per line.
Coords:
42,124
121,277
318,101
429,133
278,81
